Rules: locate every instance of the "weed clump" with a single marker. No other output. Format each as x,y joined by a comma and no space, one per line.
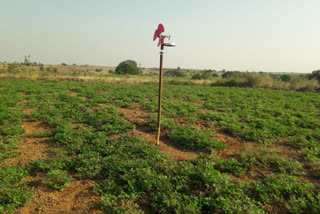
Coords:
191,138
57,178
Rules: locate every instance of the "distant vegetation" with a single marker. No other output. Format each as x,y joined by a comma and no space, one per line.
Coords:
179,76
128,67
205,75
174,73
315,75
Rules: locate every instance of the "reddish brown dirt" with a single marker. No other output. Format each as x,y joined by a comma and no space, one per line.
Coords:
234,145
136,116
275,207
35,127
253,174
28,110
30,149
23,102
24,94
76,198
76,94
196,103
287,151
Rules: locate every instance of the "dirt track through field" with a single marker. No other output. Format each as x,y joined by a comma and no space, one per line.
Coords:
136,116
30,148
77,197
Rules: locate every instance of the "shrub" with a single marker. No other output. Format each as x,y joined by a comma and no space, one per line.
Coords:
285,78
174,73
205,75
315,75
215,75
52,69
196,77
303,84
99,69
13,68
128,67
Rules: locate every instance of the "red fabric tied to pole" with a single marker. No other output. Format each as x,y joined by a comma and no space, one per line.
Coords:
157,33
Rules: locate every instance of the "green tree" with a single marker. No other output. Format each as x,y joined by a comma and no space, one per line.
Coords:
285,78
315,75
196,77
215,75
128,67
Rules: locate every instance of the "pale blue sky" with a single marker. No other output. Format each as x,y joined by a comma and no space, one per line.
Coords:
260,35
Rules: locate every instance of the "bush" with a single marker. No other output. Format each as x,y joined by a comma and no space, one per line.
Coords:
52,69
315,75
174,73
285,78
196,77
99,69
215,75
303,84
128,67
13,68
203,76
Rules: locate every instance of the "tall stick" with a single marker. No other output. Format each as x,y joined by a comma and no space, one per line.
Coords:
160,90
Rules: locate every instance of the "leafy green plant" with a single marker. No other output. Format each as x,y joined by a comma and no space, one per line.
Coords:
57,178
269,159
232,166
297,197
187,137
12,193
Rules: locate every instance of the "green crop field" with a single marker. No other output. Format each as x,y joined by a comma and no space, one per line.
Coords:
222,149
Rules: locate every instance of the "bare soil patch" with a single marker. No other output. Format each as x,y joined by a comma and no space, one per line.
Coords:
24,94
275,207
28,110
252,174
196,103
23,102
234,145
76,94
35,127
30,149
76,198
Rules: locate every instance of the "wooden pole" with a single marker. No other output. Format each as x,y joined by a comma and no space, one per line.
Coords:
160,89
